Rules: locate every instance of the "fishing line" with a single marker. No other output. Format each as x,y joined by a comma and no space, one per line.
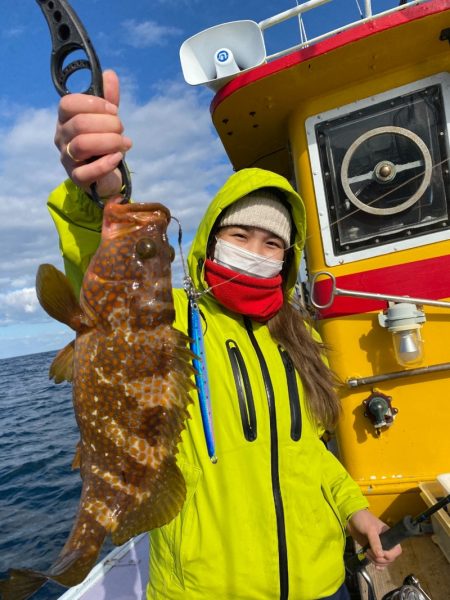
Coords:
361,14
195,317
330,225
199,294
180,245
382,196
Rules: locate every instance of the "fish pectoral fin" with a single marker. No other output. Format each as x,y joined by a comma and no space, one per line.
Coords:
57,298
168,493
61,368
21,584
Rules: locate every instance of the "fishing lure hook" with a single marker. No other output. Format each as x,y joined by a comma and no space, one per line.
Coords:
68,36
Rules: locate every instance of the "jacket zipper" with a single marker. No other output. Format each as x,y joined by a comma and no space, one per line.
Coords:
276,490
294,400
244,391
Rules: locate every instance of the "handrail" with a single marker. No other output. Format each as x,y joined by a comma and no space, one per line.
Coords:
292,12
311,4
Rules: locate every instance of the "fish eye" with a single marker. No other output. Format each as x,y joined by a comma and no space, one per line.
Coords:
146,248
172,253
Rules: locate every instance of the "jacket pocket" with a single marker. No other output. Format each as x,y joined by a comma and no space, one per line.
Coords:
244,391
334,510
294,398
171,539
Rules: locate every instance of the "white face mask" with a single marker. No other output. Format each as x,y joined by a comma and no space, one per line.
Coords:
236,258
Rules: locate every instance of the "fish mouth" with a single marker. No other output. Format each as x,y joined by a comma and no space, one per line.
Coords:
122,219
125,212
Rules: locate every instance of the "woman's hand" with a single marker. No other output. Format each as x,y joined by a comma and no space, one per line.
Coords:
364,527
90,127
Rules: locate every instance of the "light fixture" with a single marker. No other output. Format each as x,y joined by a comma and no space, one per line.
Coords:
404,321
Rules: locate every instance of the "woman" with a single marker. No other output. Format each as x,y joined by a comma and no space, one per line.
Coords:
269,519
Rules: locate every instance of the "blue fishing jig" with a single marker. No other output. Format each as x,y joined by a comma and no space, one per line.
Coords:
197,346
201,373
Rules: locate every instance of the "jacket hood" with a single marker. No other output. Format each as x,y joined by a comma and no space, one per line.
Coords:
238,185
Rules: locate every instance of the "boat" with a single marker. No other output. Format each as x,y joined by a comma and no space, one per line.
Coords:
358,119
121,575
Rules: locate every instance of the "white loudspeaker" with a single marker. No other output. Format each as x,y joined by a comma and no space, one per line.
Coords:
214,56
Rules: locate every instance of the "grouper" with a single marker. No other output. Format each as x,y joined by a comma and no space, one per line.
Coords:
131,373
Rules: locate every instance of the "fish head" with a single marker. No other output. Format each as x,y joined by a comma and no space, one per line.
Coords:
130,275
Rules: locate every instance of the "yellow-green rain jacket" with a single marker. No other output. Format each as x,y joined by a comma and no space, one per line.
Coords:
267,521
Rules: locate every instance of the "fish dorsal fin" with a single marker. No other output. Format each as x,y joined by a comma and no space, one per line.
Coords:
57,298
61,368
165,502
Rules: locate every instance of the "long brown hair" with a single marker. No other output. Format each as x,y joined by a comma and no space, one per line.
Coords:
291,327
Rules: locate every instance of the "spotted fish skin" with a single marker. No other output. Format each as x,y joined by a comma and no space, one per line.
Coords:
131,381
132,375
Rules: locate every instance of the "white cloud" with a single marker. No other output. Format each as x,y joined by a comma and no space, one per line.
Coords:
19,305
29,169
36,337
13,32
18,283
176,160
148,33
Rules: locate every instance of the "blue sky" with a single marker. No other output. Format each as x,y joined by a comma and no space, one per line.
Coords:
177,158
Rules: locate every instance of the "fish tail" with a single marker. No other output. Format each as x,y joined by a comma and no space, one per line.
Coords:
79,553
21,584
70,568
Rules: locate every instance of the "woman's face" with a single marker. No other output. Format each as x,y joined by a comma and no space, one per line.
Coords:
254,239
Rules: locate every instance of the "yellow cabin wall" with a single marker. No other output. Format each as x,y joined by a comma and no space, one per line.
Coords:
415,448
262,123
365,88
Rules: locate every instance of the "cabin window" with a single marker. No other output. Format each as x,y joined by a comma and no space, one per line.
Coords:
382,172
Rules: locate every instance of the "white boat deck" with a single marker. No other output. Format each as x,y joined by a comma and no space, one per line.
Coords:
121,575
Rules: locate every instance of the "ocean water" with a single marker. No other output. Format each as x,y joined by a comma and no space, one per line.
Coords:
39,491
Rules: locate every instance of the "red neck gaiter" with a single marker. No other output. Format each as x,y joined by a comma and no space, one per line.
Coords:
256,297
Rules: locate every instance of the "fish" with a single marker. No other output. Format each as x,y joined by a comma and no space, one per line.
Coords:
131,373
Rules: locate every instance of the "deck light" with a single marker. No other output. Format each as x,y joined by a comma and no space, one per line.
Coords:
404,321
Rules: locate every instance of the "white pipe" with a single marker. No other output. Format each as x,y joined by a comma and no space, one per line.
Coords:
324,36
292,12
368,8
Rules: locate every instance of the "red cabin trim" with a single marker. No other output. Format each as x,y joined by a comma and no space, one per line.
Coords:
346,37
428,279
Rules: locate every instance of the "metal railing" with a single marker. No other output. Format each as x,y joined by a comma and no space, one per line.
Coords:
298,11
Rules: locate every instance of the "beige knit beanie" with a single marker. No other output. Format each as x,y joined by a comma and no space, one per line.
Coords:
261,208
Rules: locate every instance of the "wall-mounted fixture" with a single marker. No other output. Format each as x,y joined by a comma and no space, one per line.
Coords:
378,408
404,321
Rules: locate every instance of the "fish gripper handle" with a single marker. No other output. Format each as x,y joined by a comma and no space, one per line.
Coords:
68,36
